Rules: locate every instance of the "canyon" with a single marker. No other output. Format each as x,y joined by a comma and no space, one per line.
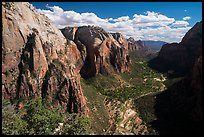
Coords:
86,70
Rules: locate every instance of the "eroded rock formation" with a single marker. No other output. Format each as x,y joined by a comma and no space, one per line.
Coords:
135,45
100,51
37,60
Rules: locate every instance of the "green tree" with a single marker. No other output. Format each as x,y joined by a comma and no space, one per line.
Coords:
12,122
75,125
41,119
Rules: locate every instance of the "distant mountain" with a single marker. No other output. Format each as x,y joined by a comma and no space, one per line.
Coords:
144,48
154,45
134,45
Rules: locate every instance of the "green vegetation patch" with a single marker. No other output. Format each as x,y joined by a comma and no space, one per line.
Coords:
37,119
98,114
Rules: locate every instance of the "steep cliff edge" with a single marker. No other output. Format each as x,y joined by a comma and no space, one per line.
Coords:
37,60
181,103
180,57
186,95
100,51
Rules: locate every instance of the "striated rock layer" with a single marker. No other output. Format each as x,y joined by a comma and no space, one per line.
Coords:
100,51
37,60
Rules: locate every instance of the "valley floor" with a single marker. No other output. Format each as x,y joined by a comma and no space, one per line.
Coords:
118,103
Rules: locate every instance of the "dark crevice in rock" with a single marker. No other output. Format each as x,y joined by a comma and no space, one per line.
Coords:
81,47
89,69
59,96
72,104
64,92
114,59
44,88
3,51
30,45
26,63
22,35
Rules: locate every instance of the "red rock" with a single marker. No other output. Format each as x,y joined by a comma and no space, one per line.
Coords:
134,45
32,50
100,51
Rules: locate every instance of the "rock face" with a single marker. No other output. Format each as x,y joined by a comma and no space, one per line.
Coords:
100,51
180,57
180,106
188,93
196,85
138,48
134,45
37,60
181,102
187,56
124,120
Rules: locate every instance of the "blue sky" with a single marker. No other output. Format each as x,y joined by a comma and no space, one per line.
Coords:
108,15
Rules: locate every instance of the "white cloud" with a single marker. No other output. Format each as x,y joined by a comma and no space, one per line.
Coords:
148,26
152,19
123,18
180,23
164,33
186,18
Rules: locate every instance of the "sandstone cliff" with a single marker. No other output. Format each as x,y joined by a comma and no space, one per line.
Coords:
180,57
138,48
134,45
37,60
100,51
186,95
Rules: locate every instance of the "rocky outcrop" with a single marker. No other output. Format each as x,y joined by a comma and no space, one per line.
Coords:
124,120
69,32
100,51
180,57
134,45
37,60
138,48
185,95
